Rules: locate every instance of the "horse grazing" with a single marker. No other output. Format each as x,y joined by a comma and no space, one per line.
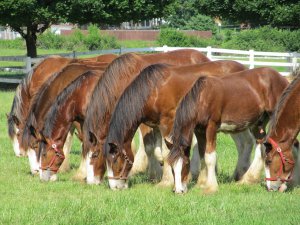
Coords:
42,102
152,99
31,85
281,138
69,106
25,92
228,104
118,75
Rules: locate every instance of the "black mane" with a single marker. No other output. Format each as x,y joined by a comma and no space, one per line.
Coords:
129,109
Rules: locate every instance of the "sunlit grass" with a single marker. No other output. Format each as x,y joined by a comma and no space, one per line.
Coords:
26,200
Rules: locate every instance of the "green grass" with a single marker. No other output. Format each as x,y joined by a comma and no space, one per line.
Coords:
26,200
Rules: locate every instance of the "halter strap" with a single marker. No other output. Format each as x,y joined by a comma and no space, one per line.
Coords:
127,161
283,160
58,154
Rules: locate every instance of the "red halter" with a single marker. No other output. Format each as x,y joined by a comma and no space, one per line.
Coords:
283,160
121,176
58,154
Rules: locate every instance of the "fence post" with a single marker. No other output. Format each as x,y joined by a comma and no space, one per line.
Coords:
294,61
74,54
209,52
28,64
251,59
165,48
120,50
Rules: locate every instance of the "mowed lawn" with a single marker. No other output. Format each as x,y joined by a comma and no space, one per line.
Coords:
26,200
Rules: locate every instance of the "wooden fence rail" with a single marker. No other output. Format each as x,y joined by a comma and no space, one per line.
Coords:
250,58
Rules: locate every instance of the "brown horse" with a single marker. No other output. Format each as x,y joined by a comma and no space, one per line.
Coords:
25,92
228,104
44,99
69,106
152,99
284,128
115,79
31,85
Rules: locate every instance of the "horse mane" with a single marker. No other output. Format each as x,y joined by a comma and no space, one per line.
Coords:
283,99
18,103
185,113
31,117
104,92
129,108
52,113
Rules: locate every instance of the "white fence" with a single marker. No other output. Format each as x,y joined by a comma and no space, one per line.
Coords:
251,58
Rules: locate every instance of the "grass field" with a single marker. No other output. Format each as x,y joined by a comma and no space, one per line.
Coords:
26,200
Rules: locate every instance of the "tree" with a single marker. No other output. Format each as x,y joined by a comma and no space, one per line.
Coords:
185,15
32,17
256,12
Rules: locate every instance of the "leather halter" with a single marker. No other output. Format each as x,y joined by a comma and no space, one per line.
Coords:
283,160
121,176
58,154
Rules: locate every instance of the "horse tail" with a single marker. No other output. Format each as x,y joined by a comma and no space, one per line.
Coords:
186,112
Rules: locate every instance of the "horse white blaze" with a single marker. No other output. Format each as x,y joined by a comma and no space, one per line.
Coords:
115,184
179,187
90,176
33,162
211,160
16,146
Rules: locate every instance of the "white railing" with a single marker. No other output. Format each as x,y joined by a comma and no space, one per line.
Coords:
251,58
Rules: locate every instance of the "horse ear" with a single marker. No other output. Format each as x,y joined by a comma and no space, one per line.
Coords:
93,138
79,136
33,132
268,147
169,144
113,148
16,120
296,145
41,137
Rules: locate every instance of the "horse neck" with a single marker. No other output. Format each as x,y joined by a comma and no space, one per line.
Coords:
287,124
70,112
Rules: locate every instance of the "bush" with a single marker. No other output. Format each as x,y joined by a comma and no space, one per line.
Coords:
49,40
171,37
201,22
264,39
77,41
18,43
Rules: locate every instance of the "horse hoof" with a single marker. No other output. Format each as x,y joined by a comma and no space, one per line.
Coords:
210,190
165,184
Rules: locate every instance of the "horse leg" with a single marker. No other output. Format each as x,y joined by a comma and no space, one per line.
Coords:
81,172
244,142
167,177
195,161
253,173
210,158
201,139
296,176
152,143
65,166
140,158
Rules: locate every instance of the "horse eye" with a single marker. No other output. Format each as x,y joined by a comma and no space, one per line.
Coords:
268,147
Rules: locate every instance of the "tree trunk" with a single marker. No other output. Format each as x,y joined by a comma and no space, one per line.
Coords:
31,45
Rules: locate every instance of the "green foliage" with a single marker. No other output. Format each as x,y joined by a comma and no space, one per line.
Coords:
12,44
78,41
255,12
264,39
172,37
49,40
201,22
185,15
